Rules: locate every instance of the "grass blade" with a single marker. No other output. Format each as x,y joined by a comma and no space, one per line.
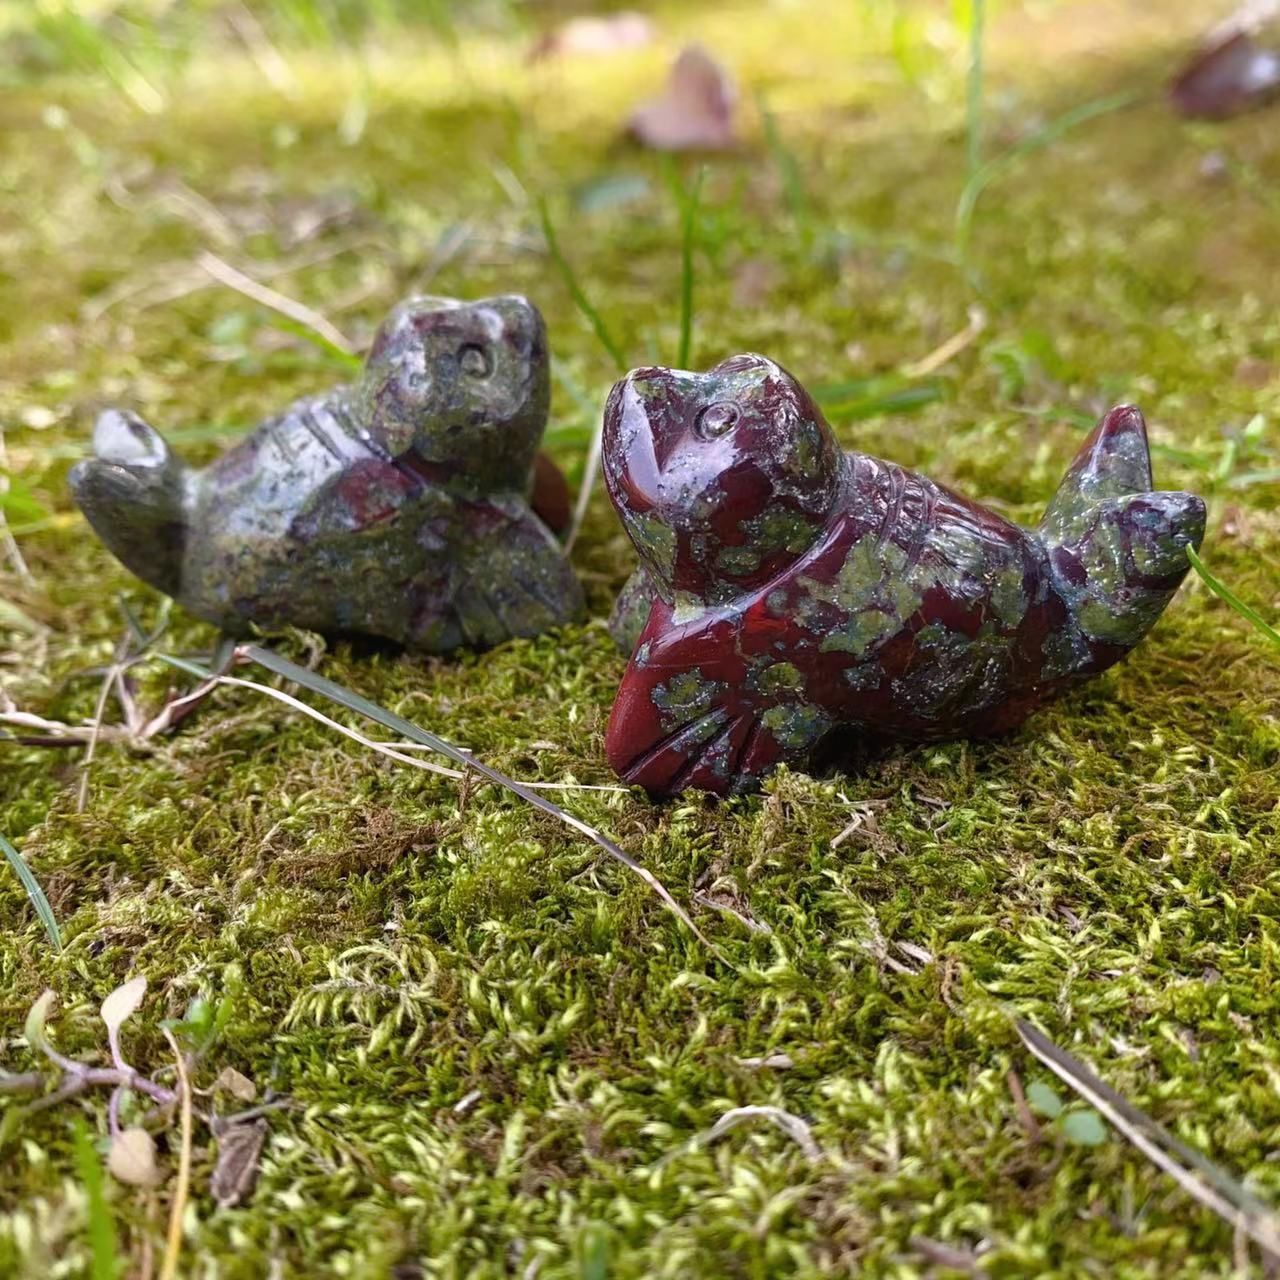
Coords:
104,1259
879,398
998,167
294,317
1198,1176
973,122
34,892
793,188
689,202
1220,589
580,299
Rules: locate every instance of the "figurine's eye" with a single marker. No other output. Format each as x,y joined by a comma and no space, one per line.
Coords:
716,419
474,361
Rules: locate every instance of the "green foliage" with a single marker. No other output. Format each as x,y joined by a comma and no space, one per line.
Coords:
1220,589
105,1262
39,903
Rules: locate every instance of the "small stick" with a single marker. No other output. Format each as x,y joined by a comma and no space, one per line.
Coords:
1029,1122
113,673
1198,1176
298,312
589,471
173,1246
949,349
7,540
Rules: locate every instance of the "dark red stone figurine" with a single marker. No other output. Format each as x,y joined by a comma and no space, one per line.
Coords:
786,588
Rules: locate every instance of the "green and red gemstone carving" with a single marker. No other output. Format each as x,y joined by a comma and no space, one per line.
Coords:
787,589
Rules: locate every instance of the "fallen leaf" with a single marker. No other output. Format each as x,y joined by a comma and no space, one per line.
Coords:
123,1002
237,1085
550,499
587,35
694,111
132,1159
1084,1128
1228,75
236,1170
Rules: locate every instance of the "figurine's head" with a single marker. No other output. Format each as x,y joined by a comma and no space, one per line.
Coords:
721,478
463,384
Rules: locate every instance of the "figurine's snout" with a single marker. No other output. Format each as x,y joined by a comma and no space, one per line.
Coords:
124,439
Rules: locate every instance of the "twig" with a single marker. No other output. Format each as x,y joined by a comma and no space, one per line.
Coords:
792,1125
945,1255
113,673
1029,1122
168,281
23,1082
7,540
173,1246
406,728
951,348
590,469
1198,1176
1248,19
748,922
298,312
267,58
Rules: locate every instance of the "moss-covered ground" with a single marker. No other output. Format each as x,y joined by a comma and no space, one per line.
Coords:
505,1056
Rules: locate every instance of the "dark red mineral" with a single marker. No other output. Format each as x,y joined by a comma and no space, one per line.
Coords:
786,588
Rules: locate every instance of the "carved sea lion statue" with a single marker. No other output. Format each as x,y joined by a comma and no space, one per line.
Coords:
396,507
787,588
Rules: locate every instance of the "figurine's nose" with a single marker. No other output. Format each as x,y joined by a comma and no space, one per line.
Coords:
124,439
629,438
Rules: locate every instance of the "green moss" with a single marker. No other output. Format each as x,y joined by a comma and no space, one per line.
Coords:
503,1049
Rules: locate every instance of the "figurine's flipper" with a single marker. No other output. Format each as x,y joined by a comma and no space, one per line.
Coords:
134,494
1118,550
515,582
1113,461
631,610
717,751
681,720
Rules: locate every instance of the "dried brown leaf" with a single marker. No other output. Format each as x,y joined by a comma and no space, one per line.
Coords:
694,112
1230,74
237,1085
613,33
132,1159
235,1172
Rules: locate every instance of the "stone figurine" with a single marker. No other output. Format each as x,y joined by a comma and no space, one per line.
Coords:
396,507
787,589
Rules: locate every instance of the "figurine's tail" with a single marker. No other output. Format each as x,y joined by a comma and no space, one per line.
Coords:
1117,548
133,492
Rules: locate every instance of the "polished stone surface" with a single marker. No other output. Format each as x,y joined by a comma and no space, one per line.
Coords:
396,507
787,589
